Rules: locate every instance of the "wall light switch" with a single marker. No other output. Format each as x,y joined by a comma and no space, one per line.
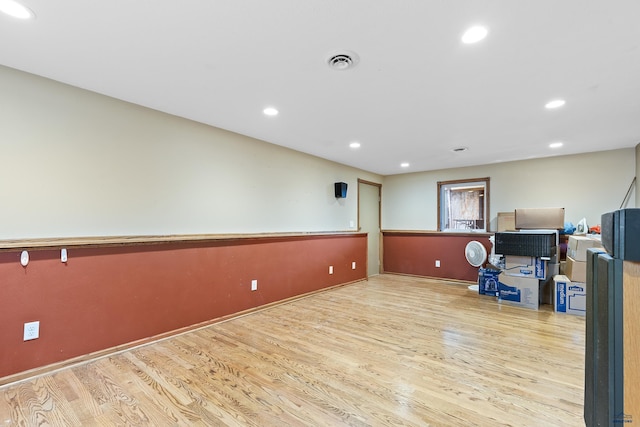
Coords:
437,263
353,265
254,285
331,269
63,255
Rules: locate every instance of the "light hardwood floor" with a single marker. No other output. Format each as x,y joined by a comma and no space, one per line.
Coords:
393,350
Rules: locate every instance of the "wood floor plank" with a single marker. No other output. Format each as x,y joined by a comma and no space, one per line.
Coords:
392,350
40,402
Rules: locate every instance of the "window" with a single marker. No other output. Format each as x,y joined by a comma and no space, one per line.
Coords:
463,205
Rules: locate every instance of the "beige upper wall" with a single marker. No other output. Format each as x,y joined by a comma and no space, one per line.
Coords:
586,185
75,163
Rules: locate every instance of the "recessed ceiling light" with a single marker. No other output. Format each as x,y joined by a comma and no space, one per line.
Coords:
474,34
354,144
556,144
15,9
404,165
556,103
270,111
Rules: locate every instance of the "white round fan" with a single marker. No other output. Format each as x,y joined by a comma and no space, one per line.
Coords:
475,253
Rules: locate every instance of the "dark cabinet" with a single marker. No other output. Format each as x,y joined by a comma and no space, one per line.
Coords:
612,339
603,388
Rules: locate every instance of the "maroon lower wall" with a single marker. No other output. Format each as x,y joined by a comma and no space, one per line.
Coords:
415,253
110,296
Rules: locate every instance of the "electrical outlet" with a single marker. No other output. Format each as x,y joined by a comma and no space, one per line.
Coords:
331,269
31,330
437,263
254,285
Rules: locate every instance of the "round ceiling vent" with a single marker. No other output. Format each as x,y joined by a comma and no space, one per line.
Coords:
341,61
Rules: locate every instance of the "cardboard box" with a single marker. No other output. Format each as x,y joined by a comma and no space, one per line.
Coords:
553,269
569,297
520,291
546,286
506,221
525,266
538,218
488,281
578,245
545,293
576,271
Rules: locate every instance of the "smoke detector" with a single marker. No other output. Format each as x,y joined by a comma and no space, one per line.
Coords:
342,60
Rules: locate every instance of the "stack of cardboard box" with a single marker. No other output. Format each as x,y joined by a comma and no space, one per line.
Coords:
526,280
522,281
576,267
569,290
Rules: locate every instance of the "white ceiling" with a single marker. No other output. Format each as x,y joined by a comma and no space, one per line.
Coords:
416,93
